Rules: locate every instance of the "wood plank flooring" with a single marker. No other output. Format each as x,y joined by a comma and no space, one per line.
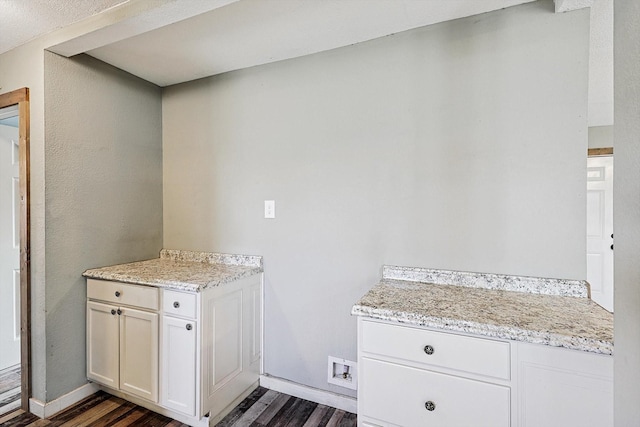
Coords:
262,408
268,408
9,389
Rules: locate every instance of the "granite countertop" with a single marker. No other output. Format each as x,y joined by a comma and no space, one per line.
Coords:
182,270
536,310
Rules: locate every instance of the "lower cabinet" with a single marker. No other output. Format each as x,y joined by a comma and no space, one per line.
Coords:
411,376
187,355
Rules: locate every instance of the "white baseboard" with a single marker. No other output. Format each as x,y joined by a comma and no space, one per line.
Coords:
323,397
45,410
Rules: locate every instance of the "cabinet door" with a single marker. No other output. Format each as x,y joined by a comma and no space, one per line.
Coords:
139,353
179,364
102,344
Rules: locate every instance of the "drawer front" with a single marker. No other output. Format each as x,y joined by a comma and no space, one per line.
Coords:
402,396
474,355
183,304
123,293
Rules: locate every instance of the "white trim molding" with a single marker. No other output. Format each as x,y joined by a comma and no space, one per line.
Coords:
323,397
48,409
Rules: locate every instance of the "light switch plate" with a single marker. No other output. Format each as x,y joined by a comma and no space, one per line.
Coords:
270,209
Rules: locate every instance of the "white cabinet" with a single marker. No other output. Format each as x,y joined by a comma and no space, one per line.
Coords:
564,388
122,340
412,376
189,355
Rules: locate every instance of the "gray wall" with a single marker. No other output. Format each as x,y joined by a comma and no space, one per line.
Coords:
626,190
103,193
601,137
460,146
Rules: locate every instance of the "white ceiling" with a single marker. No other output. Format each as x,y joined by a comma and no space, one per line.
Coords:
173,41
24,20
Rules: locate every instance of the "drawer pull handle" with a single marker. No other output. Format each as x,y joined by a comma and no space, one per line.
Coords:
430,406
113,311
176,304
117,293
189,327
119,312
429,349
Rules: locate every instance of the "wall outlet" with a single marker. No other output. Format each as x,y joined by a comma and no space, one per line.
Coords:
343,372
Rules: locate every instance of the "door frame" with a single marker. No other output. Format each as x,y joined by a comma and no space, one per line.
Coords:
20,97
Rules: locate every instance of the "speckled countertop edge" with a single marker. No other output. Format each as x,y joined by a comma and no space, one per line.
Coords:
486,330
182,270
536,285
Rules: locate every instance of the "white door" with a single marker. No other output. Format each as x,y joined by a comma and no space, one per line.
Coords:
9,248
600,229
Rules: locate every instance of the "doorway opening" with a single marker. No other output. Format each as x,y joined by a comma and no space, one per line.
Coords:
15,273
600,226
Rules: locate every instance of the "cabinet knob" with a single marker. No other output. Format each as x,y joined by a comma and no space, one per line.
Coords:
189,327
176,304
119,312
429,349
430,406
113,311
117,293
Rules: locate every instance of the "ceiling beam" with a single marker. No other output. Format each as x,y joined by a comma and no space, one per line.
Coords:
569,5
127,20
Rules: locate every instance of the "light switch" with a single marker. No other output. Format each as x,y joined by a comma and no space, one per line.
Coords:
269,208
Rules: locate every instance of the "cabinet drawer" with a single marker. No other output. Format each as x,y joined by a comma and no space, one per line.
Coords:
123,293
399,395
181,304
474,355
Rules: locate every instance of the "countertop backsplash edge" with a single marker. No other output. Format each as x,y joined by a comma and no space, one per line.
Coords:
528,284
211,257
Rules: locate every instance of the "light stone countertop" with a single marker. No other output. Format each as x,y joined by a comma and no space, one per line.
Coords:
182,270
475,307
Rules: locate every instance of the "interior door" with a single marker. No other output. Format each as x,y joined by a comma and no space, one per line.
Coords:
600,229
9,248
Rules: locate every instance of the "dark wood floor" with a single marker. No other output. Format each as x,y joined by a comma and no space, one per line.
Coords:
263,408
9,389
269,408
